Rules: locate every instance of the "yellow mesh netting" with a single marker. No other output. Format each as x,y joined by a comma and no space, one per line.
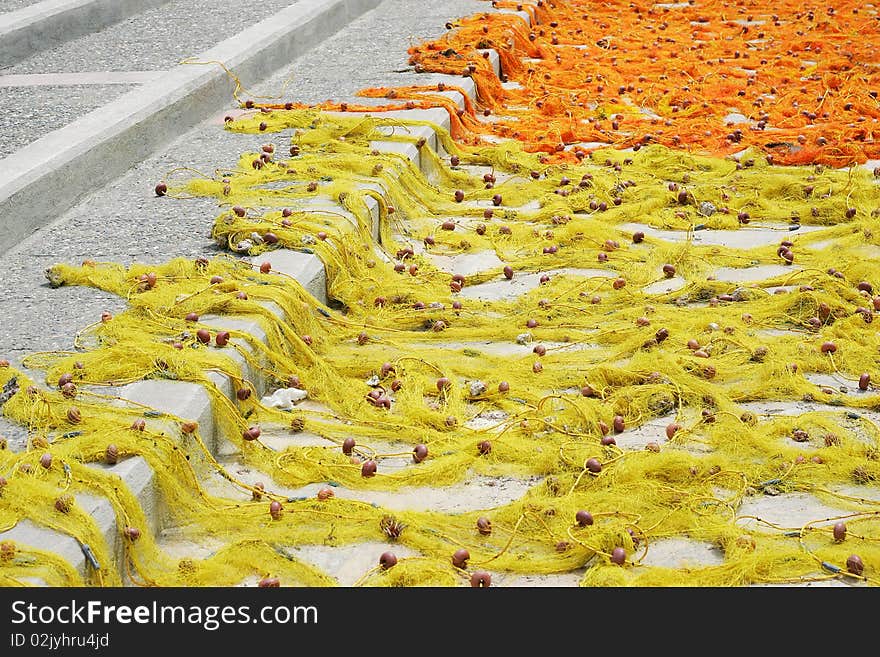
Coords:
540,383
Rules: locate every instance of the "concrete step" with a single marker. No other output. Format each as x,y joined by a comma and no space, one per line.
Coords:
36,26
49,175
351,563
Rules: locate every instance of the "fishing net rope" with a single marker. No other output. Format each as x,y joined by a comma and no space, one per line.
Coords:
405,359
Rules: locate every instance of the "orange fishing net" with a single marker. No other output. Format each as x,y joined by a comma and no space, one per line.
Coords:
799,81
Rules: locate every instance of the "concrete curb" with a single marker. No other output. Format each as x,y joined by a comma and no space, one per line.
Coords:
46,24
191,401
47,177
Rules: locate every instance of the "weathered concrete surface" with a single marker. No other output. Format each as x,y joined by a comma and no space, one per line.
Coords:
46,24
505,289
682,553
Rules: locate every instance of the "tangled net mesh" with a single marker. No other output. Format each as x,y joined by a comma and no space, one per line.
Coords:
598,352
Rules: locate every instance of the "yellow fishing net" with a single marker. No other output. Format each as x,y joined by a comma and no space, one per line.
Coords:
601,350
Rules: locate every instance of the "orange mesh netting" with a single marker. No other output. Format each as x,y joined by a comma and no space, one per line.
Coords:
799,81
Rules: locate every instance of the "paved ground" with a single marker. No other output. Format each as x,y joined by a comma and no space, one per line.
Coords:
188,27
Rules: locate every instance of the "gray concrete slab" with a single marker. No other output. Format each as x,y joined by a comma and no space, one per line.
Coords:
753,273
754,235
522,283
474,493
13,5
306,268
36,26
786,512
352,563
68,79
190,401
372,51
137,476
682,553
28,114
